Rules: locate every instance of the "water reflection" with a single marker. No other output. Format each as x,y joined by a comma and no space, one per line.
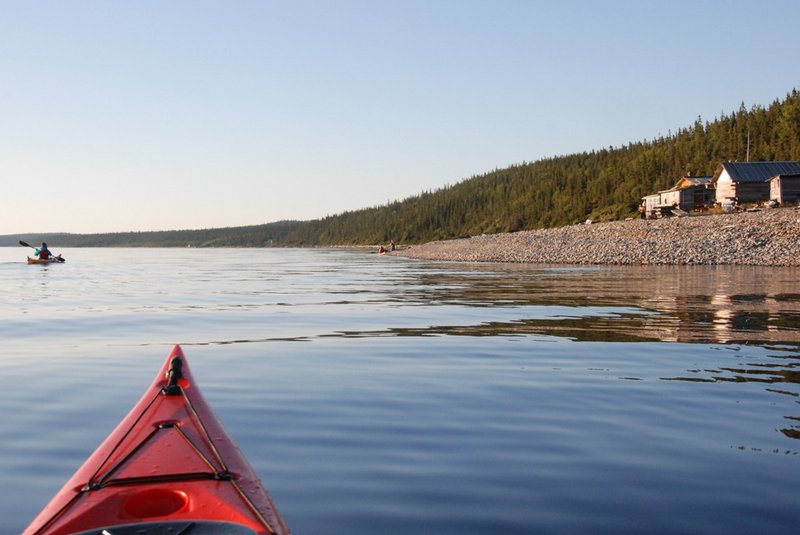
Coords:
731,305
722,304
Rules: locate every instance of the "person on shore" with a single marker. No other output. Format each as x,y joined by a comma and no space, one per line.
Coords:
43,252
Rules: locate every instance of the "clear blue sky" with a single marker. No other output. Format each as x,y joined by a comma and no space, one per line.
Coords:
156,115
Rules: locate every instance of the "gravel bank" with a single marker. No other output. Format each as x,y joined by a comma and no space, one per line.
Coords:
766,238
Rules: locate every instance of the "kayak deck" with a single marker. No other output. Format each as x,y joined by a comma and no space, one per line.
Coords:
169,464
45,261
173,528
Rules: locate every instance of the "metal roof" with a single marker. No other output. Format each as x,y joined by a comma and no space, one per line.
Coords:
699,180
690,180
756,171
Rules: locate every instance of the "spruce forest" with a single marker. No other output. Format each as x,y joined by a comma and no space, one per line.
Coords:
601,185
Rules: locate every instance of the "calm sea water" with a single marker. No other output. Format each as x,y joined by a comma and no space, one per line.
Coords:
379,395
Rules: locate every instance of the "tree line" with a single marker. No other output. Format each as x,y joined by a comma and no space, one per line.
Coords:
602,185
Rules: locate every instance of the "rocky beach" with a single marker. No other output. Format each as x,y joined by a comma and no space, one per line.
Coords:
770,237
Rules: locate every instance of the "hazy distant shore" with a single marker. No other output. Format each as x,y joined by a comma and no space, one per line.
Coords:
766,238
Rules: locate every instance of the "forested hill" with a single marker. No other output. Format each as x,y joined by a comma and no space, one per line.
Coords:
602,185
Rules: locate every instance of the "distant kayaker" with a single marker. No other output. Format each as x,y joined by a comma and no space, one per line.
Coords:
43,252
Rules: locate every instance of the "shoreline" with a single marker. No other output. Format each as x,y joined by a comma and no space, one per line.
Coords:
770,237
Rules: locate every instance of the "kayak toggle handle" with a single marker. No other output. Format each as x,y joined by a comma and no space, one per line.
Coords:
174,374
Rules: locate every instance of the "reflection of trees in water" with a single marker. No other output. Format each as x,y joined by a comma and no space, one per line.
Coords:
794,430
718,304
709,305
776,370
587,329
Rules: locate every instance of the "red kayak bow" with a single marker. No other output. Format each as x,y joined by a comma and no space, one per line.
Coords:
169,467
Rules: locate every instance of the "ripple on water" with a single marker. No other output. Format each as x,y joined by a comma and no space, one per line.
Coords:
379,395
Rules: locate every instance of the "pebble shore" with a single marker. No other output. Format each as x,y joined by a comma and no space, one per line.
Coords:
763,238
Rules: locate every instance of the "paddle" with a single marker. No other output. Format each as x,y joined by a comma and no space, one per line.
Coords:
57,258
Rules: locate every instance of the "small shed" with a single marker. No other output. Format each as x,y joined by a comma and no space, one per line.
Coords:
652,202
785,189
746,182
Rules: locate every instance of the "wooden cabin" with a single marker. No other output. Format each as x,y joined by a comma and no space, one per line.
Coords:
689,193
748,182
785,189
